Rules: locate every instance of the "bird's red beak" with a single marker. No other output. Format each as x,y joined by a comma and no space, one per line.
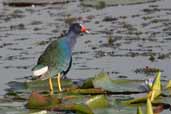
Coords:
84,29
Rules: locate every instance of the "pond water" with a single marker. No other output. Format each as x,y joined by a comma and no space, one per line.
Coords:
137,32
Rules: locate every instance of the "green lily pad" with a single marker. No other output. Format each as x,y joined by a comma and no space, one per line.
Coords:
37,85
78,108
43,84
135,101
87,84
37,101
40,102
91,91
103,81
99,101
40,112
110,110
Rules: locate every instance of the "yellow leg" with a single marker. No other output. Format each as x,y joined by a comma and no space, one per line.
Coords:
50,86
59,82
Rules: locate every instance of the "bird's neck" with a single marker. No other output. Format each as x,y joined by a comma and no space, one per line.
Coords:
72,38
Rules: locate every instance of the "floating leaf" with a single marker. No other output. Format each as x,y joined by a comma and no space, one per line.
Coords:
40,112
135,101
79,108
88,84
37,101
103,81
111,110
99,101
85,91
42,85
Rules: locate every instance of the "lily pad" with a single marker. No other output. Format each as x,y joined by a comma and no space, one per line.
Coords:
99,101
52,103
40,112
37,85
87,84
103,81
91,91
110,110
37,101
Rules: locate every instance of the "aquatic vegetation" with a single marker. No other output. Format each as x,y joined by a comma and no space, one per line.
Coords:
109,19
37,101
110,40
99,101
152,58
149,109
98,93
139,110
148,70
101,5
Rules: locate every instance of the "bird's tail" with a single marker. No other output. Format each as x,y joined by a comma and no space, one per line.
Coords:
40,72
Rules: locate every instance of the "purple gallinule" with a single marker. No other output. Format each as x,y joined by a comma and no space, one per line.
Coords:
56,60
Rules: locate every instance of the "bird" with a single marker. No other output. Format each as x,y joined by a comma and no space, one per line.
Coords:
56,60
